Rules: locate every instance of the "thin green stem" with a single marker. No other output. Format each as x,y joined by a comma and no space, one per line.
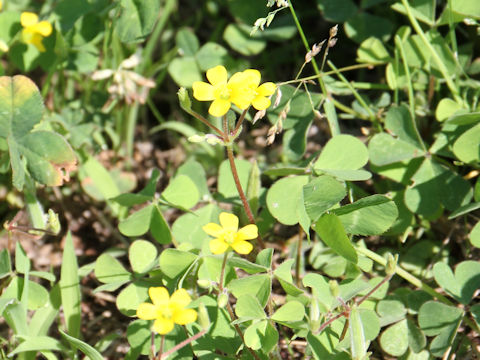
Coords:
411,97
239,122
222,272
405,274
354,92
299,257
334,126
326,73
435,56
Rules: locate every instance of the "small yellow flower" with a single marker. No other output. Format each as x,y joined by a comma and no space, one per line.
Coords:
34,31
0,5
165,310
223,91
261,94
228,236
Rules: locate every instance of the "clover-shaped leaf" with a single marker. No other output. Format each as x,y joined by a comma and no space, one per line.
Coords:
47,155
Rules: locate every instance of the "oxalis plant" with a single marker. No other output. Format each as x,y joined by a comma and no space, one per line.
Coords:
346,249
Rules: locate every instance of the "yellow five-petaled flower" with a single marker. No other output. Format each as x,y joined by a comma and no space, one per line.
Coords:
227,235
242,89
33,31
165,310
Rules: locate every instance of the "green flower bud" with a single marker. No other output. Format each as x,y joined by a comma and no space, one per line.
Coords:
222,300
203,318
391,267
334,289
184,99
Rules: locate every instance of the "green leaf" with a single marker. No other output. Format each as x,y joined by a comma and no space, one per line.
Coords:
475,235
342,152
321,194
258,286
142,255
37,343
467,8
416,338
337,11
210,55
82,346
292,311
357,334
132,296
390,311
394,340
330,229
37,295
5,265
463,284
373,51
435,185
187,229
196,173
283,273
372,215
422,10
137,223
238,37
264,258
399,121
446,108
261,335
109,270
364,25
174,263
467,146
248,307
47,154
181,191
22,262
70,288
246,265
184,71
283,199
433,317
384,150
136,19
187,42
320,289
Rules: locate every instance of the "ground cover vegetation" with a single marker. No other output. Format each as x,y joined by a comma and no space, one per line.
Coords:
239,179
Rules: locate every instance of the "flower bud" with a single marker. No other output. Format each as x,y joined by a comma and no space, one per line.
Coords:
203,283
203,318
184,99
314,315
334,31
334,289
222,300
53,224
391,267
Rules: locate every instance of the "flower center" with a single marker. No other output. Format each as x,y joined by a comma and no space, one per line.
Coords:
229,236
222,92
165,312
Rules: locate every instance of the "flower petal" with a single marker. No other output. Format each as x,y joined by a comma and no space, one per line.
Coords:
242,247
218,246
229,221
217,75
36,41
213,229
252,76
184,316
261,103
163,326
28,19
248,232
202,91
219,107
44,28
266,89
146,311
180,298
159,295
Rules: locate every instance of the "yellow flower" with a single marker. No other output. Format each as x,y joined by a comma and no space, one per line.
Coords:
34,31
261,94
223,92
165,310
0,5
228,236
